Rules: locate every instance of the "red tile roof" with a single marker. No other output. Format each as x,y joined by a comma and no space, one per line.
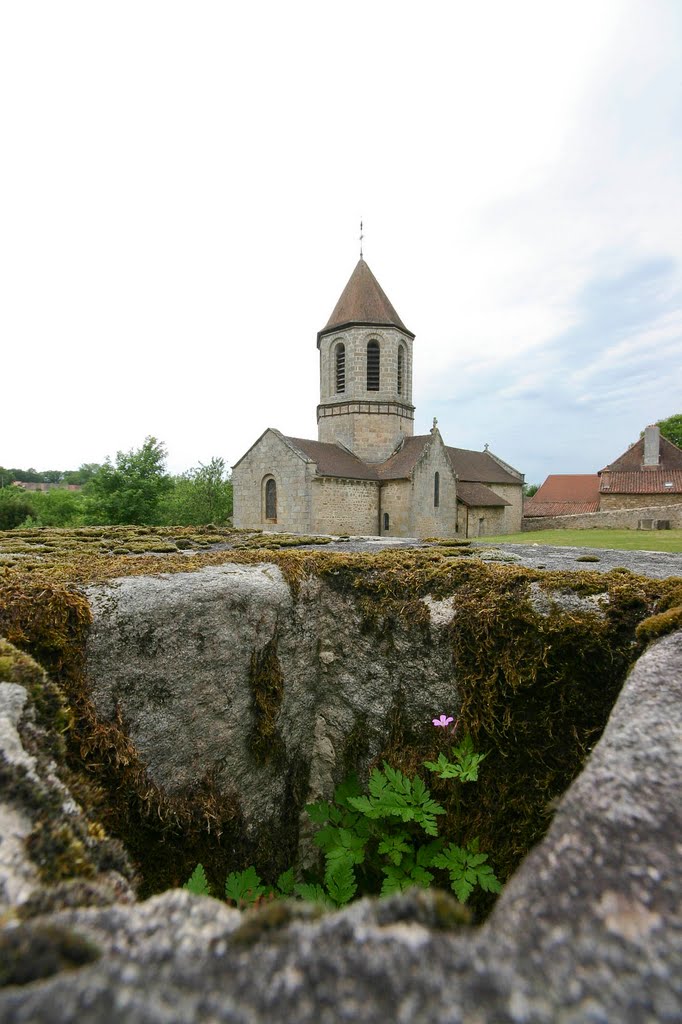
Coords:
565,494
645,481
363,301
532,508
573,487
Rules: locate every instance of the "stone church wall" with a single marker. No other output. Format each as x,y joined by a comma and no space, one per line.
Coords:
513,513
345,506
428,519
271,457
480,521
396,502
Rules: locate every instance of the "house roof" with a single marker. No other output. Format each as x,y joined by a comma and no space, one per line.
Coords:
478,467
333,460
477,495
532,508
400,465
565,494
571,487
363,301
645,481
632,460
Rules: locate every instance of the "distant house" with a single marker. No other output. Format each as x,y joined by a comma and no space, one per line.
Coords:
565,495
649,473
26,485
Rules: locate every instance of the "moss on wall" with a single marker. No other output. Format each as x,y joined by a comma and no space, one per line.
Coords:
534,688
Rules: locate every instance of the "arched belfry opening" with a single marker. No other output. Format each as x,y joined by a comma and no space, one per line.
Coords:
340,368
373,365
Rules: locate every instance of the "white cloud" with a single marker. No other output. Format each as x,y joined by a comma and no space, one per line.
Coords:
180,206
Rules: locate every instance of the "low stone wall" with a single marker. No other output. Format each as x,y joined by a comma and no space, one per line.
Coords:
617,519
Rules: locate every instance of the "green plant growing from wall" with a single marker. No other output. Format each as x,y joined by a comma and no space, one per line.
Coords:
383,841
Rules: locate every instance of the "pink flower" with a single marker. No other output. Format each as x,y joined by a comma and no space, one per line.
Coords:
443,721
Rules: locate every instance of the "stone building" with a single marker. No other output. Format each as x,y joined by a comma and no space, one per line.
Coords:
648,476
368,473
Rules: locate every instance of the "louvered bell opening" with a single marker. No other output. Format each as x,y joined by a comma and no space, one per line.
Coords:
401,362
373,360
340,368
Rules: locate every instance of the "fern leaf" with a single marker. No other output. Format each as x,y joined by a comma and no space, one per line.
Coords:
285,883
311,893
394,847
340,881
198,883
244,887
467,868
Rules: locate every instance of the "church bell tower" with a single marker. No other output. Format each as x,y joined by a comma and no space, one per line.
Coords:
365,371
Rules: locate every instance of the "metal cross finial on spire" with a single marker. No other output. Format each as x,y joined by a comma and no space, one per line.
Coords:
361,238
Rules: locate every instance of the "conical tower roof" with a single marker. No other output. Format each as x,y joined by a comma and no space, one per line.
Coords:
363,301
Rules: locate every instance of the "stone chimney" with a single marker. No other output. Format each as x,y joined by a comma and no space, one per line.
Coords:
652,444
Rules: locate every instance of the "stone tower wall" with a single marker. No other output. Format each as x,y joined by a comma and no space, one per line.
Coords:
370,423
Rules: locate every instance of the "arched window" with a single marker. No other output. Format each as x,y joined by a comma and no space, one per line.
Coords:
340,360
436,490
270,499
386,521
373,361
401,368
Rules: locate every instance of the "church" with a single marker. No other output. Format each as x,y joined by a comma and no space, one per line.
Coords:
367,473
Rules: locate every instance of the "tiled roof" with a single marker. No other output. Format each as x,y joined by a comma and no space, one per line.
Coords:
645,481
333,460
571,487
633,459
559,508
400,465
478,467
363,301
478,495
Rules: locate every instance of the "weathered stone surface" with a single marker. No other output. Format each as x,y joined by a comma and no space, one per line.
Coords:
176,652
35,803
589,929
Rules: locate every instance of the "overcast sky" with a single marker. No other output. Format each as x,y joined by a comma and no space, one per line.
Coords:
181,186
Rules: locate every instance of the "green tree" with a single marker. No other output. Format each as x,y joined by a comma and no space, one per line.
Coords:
201,495
83,474
129,491
672,429
56,508
15,507
530,489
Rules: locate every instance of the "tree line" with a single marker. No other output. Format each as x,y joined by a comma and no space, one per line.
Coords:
132,489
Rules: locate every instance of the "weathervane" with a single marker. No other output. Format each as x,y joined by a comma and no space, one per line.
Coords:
361,238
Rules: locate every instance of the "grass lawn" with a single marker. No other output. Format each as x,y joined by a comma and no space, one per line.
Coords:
621,540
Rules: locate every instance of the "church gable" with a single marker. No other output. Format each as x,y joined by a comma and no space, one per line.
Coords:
270,483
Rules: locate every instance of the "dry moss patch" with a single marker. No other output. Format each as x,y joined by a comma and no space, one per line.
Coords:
534,689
